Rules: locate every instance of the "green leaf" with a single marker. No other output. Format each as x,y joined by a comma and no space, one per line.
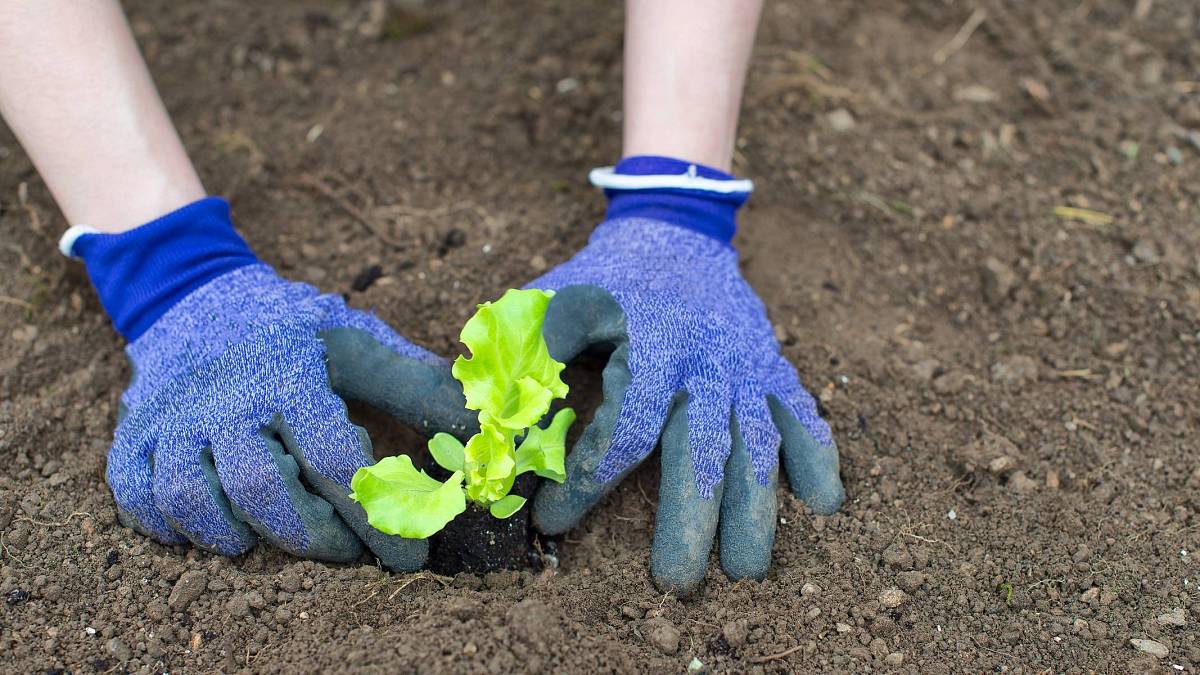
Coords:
447,451
505,507
544,451
490,463
511,377
401,500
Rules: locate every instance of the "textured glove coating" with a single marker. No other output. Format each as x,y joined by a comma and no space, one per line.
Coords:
694,325
230,403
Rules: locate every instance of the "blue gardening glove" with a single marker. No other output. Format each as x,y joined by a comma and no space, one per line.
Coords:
234,428
695,364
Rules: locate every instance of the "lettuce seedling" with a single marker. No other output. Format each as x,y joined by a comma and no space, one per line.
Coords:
511,379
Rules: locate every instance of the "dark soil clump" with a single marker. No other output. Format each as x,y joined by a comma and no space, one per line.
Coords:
477,542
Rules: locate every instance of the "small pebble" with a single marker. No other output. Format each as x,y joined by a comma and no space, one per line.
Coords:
910,581
736,632
256,600
897,555
191,585
237,606
1082,554
118,649
841,120
1175,617
290,582
1152,647
892,598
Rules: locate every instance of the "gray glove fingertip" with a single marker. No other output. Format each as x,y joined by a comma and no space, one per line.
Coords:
812,468
262,483
686,523
748,515
329,538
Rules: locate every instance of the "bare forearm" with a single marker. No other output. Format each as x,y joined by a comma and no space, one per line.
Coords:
685,68
75,90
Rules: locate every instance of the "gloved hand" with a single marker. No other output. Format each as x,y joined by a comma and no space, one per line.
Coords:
695,360
234,427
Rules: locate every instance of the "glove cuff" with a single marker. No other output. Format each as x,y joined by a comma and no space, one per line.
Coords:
142,273
689,195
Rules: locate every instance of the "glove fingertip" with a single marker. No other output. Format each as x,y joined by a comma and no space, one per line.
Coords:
746,562
813,468
674,573
685,524
813,474
826,497
579,316
748,514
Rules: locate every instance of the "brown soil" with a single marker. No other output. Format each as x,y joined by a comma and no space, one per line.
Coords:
1014,393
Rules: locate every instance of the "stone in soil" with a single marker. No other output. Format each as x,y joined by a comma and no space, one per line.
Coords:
190,586
1152,647
664,635
736,632
1176,617
892,598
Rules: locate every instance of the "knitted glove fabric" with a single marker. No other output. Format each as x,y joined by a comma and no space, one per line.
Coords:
234,426
695,365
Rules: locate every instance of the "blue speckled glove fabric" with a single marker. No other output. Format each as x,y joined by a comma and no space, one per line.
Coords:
234,426
695,364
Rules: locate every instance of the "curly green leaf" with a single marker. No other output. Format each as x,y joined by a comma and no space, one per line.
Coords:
401,500
543,451
510,377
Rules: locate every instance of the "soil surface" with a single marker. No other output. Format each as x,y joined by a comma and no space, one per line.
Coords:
1014,391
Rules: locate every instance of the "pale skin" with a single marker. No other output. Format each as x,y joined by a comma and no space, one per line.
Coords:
685,68
77,94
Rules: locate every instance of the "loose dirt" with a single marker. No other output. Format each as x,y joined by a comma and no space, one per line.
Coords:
1014,392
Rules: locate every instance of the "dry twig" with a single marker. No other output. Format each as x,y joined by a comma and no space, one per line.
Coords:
774,657
7,300
27,519
961,37
420,576
351,210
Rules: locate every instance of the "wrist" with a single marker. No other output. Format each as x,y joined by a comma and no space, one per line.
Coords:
685,194
142,273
